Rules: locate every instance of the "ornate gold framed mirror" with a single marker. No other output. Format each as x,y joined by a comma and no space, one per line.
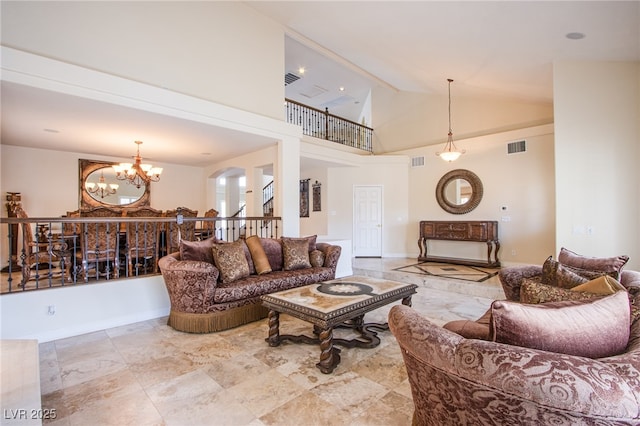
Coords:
459,191
97,181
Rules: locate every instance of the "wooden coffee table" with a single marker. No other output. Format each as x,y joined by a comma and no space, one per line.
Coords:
331,304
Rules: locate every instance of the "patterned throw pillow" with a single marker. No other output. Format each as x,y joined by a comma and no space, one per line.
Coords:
312,242
316,258
533,292
273,250
554,273
593,328
295,252
197,250
609,265
231,261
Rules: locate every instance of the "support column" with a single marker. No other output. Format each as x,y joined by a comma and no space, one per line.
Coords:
232,195
253,195
286,179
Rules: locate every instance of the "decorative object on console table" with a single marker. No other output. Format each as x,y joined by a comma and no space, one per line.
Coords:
471,231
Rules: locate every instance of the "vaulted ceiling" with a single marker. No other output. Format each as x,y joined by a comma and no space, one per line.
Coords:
491,49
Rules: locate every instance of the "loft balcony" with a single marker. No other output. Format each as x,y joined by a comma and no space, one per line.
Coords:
323,125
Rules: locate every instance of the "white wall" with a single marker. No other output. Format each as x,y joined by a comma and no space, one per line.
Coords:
522,182
316,223
390,172
82,309
218,43
597,108
49,181
408,120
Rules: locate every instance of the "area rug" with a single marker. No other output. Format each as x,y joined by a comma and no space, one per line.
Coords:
448,270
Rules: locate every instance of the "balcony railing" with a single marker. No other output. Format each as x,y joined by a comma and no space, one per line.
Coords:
75,251
321,124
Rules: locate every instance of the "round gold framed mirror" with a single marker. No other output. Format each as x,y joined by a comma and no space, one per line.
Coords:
459,191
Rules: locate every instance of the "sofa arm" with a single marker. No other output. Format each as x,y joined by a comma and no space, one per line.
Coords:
509,378
511,279
190,283
421,338
331,254
630,278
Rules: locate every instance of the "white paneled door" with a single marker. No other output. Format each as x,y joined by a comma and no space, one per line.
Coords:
367,227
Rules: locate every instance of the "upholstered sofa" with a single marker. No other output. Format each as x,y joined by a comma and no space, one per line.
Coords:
207,295
476,380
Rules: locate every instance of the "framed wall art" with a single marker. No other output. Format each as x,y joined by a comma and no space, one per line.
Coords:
304,197
317,204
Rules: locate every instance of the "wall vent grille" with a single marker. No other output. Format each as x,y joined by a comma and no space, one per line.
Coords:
417,161
516,147
290,78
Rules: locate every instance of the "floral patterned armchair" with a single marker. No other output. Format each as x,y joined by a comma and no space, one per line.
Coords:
457,380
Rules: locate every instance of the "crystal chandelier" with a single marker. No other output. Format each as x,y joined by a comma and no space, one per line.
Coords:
450,152
137,174
101,188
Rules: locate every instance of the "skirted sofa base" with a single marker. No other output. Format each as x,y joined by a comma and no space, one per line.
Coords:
216,321
200,303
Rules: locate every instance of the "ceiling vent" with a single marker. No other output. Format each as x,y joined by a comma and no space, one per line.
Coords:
290,78
334,103
417,161
516,147
312,92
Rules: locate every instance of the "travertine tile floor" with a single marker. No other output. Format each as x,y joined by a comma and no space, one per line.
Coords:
149,374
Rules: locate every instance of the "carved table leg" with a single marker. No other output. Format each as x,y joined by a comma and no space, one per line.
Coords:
357,323
329,356
274,328
496,252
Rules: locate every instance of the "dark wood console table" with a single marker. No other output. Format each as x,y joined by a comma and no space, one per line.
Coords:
475,231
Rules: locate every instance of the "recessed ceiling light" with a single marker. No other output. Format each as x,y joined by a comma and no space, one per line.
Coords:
301,70
51,130
342,88
205,153
575,36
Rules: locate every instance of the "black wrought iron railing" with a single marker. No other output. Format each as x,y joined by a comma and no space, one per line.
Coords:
58,252
323,125
267,199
